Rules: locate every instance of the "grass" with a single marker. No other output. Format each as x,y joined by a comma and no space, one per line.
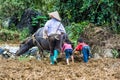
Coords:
23,58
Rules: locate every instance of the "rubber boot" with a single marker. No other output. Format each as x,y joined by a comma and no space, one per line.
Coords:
51,59
55,55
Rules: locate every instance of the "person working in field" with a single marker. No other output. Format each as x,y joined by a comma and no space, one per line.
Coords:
82,46
67,48
54,29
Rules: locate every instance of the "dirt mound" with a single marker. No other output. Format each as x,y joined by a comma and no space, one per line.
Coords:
102,69
100,38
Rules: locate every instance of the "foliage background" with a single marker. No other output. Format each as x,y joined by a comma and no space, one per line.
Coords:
73,12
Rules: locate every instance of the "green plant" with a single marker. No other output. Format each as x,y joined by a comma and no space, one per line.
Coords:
75,29
39,19
98,12
115,53
6,35
23,58
12,27
24,33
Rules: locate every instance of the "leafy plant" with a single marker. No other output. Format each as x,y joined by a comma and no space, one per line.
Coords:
75,29
39,19
6,35
98,12
23,58
24,33
115,53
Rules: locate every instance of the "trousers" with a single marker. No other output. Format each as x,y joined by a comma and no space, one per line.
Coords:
86,53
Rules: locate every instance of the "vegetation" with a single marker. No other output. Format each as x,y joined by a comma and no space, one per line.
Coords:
8,35
115,53
24,34
76,14
37,19
75,29
23,58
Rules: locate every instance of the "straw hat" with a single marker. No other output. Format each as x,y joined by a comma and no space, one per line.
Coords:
55,15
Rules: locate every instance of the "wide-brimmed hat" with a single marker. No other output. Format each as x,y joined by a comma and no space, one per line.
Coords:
55,15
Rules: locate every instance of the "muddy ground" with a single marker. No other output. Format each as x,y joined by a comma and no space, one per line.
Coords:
100,69
95,69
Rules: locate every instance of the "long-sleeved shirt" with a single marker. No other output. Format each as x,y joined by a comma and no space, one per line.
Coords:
80,46
53,26
66,46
